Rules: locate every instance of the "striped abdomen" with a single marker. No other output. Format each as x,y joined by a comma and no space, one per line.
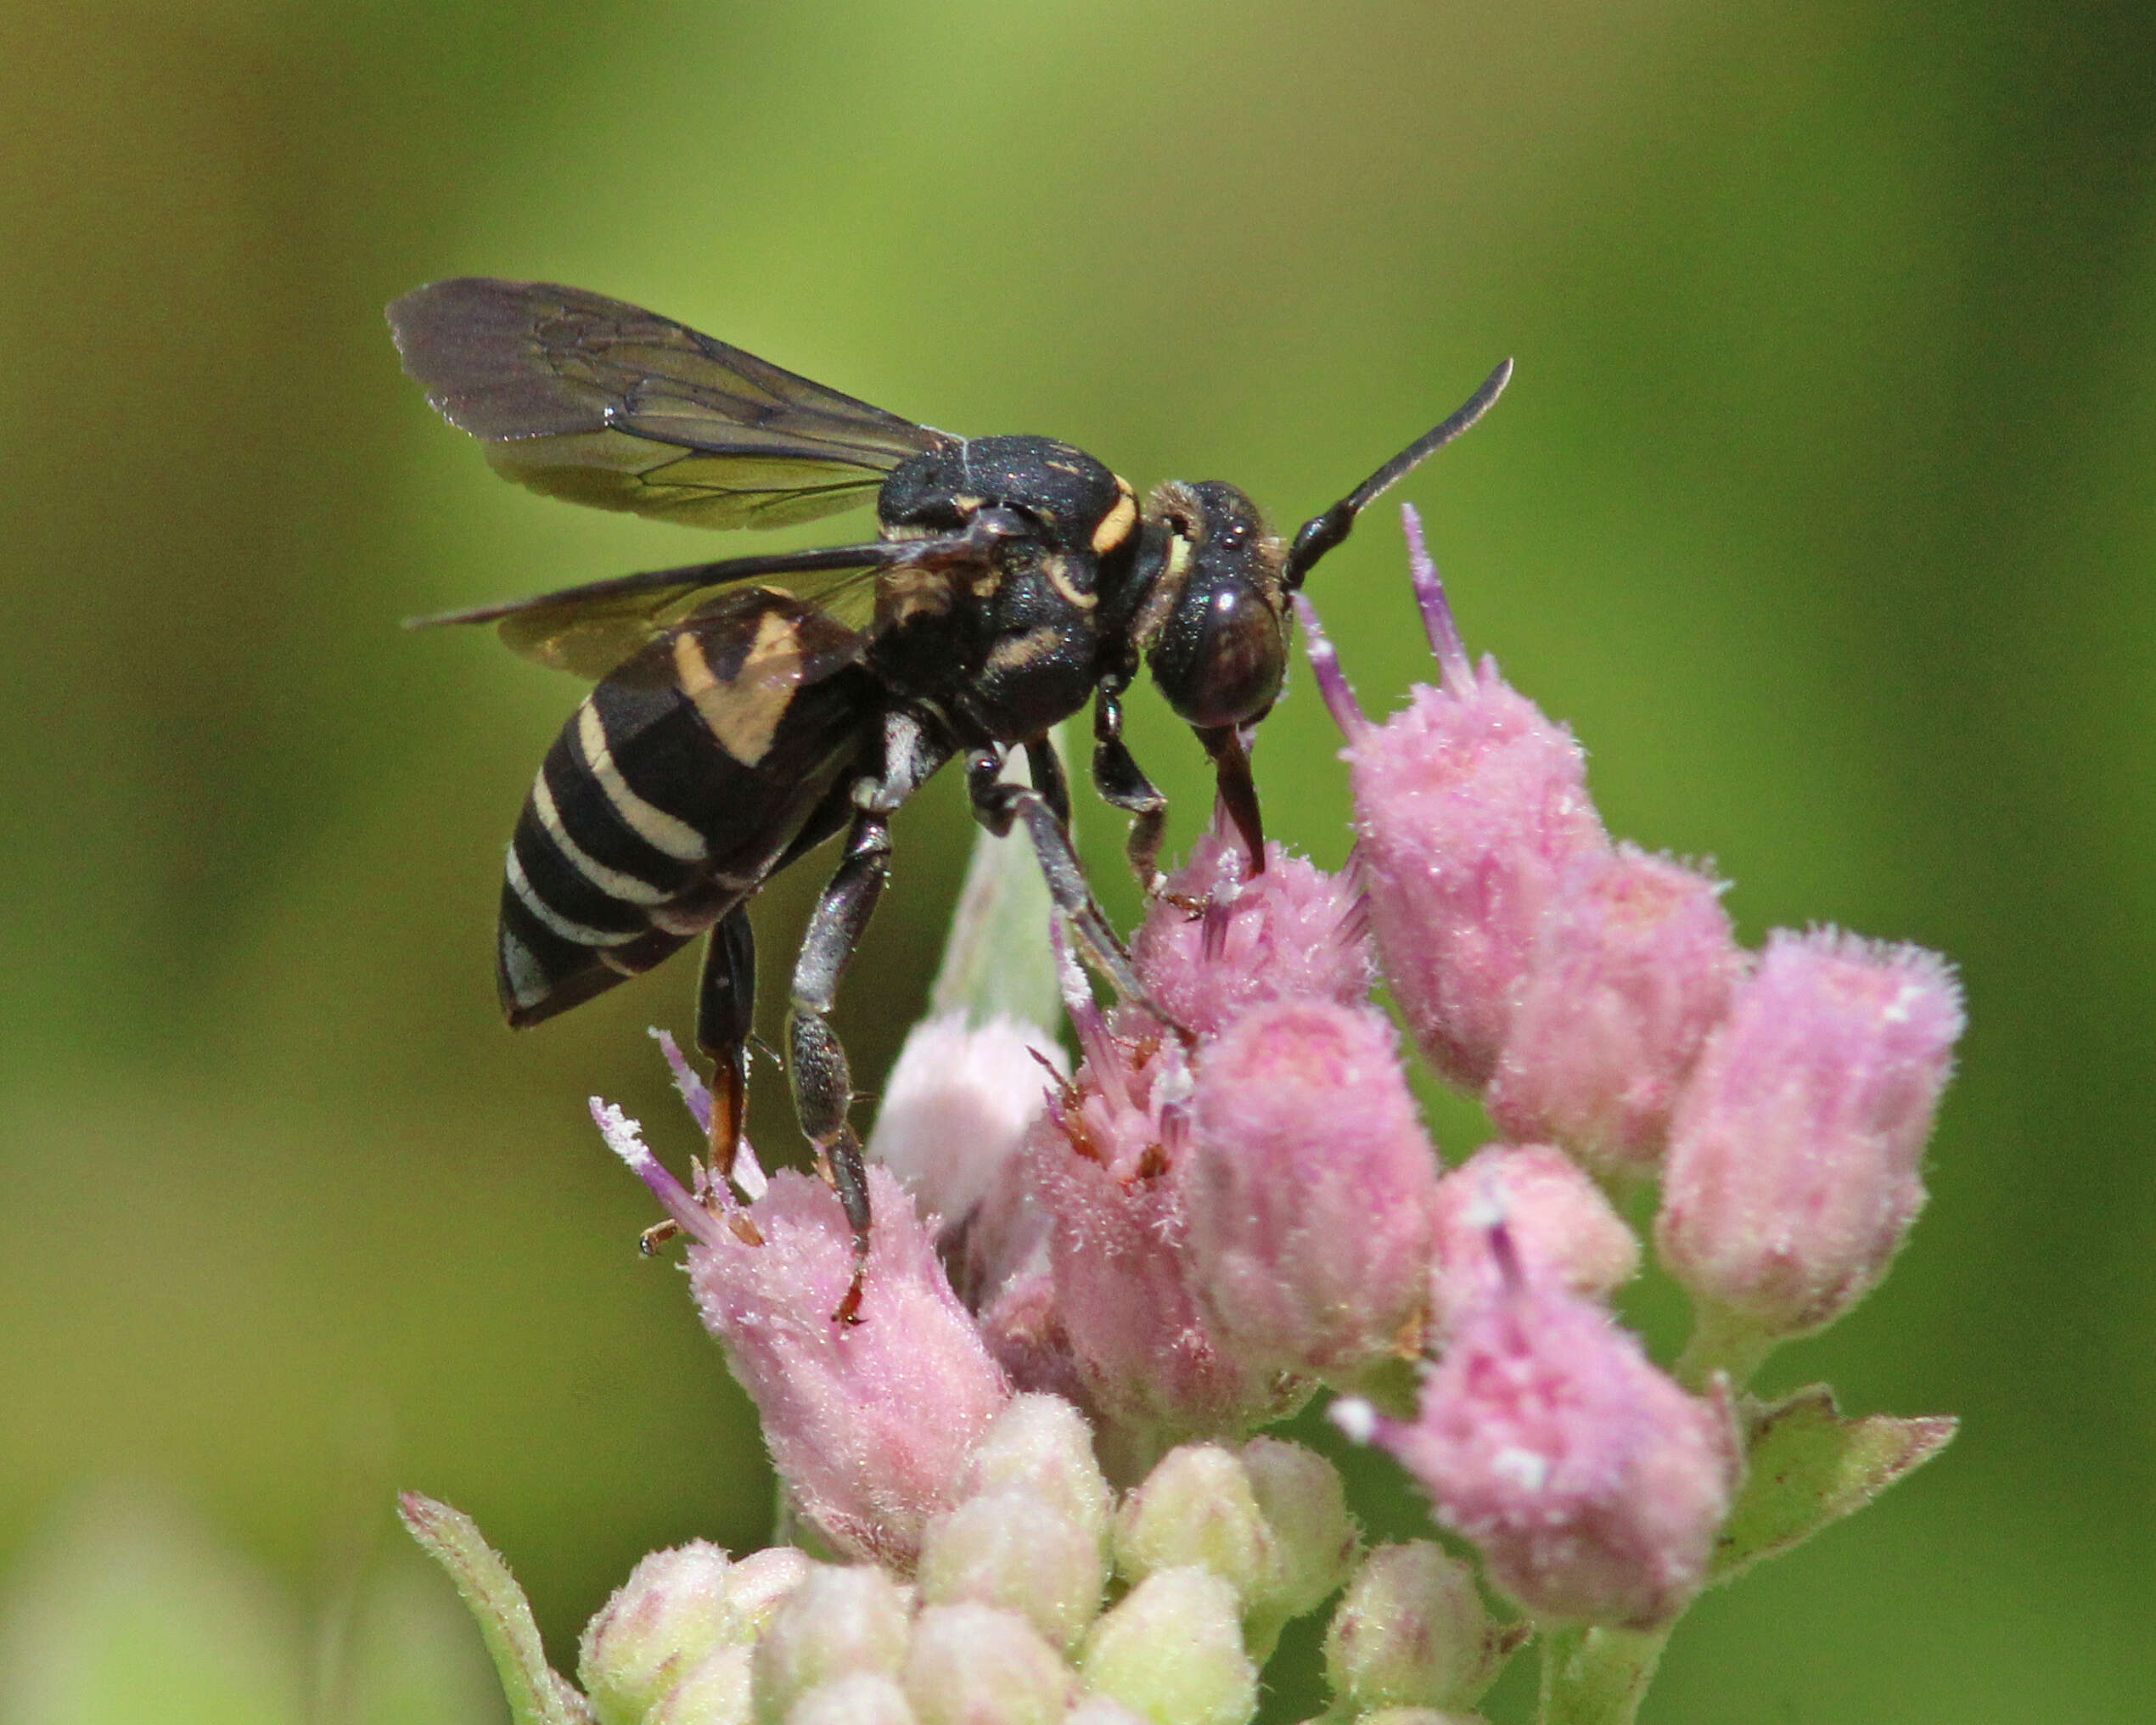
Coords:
672,791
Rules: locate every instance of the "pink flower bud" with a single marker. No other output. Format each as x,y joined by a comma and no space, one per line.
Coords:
1309,1185
1792,1175
1631,968
958,1105
868,1424
1557,1222
956,1110
1470,805
1152,1365
1293,932
1019,1552
1593,1485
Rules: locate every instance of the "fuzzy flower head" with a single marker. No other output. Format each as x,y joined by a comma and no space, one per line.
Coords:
1216,943
1152,1362
1592,1484
1793,1173
1084,1292
1557,1225
1631,967
1310,1187
868,1424
1470,808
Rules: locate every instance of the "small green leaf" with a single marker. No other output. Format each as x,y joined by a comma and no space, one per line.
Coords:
1808,1466
536,1695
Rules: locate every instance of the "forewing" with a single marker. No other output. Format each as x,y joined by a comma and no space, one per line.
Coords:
592,629
601,402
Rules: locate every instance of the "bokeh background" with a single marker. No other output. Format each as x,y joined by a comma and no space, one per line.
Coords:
1822,507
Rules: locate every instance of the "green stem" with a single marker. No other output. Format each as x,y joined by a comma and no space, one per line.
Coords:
1722,1341
1597,1676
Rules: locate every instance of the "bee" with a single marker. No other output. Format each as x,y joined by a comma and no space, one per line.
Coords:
748,710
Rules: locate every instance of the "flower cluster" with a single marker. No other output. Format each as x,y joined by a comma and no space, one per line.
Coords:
1105,1280
1003,1617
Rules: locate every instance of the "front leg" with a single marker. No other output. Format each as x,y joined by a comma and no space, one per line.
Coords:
1123,784
997,805
1238,791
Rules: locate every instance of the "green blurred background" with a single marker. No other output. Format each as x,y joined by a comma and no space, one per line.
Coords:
1822,507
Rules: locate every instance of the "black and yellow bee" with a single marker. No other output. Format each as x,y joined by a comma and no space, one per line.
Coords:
737,725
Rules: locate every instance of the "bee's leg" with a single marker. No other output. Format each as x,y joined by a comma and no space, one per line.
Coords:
1045,767
1238,791
725,1006
1123,784
996,805
822,1078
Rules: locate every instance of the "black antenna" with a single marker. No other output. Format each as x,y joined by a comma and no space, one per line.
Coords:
1321,533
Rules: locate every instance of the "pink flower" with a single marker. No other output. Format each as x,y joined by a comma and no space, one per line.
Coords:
1150,1359
1555,1219
868,1424
1631,967
1310,1185
1792,1177
1292,932
1593,1485
1470,806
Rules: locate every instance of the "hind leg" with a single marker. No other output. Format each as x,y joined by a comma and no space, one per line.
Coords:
725,1006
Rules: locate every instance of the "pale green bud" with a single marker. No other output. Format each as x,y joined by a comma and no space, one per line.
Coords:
659,1623
839,1622
972,1664
1042,1445
1012,1549
1315,1542
1413,1632
716,1692
1102,1709
756,1585
1172,1651
866,1698
1417,1715
1196,1507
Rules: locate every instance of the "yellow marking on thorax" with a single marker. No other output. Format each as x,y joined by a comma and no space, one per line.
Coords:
1015,652
1115,525
743,712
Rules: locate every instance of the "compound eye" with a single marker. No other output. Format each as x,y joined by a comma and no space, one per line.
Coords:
1221,658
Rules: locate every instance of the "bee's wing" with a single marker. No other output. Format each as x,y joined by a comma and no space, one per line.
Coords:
591,629
601,402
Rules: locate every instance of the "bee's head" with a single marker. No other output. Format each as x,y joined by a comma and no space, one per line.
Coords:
1213,625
